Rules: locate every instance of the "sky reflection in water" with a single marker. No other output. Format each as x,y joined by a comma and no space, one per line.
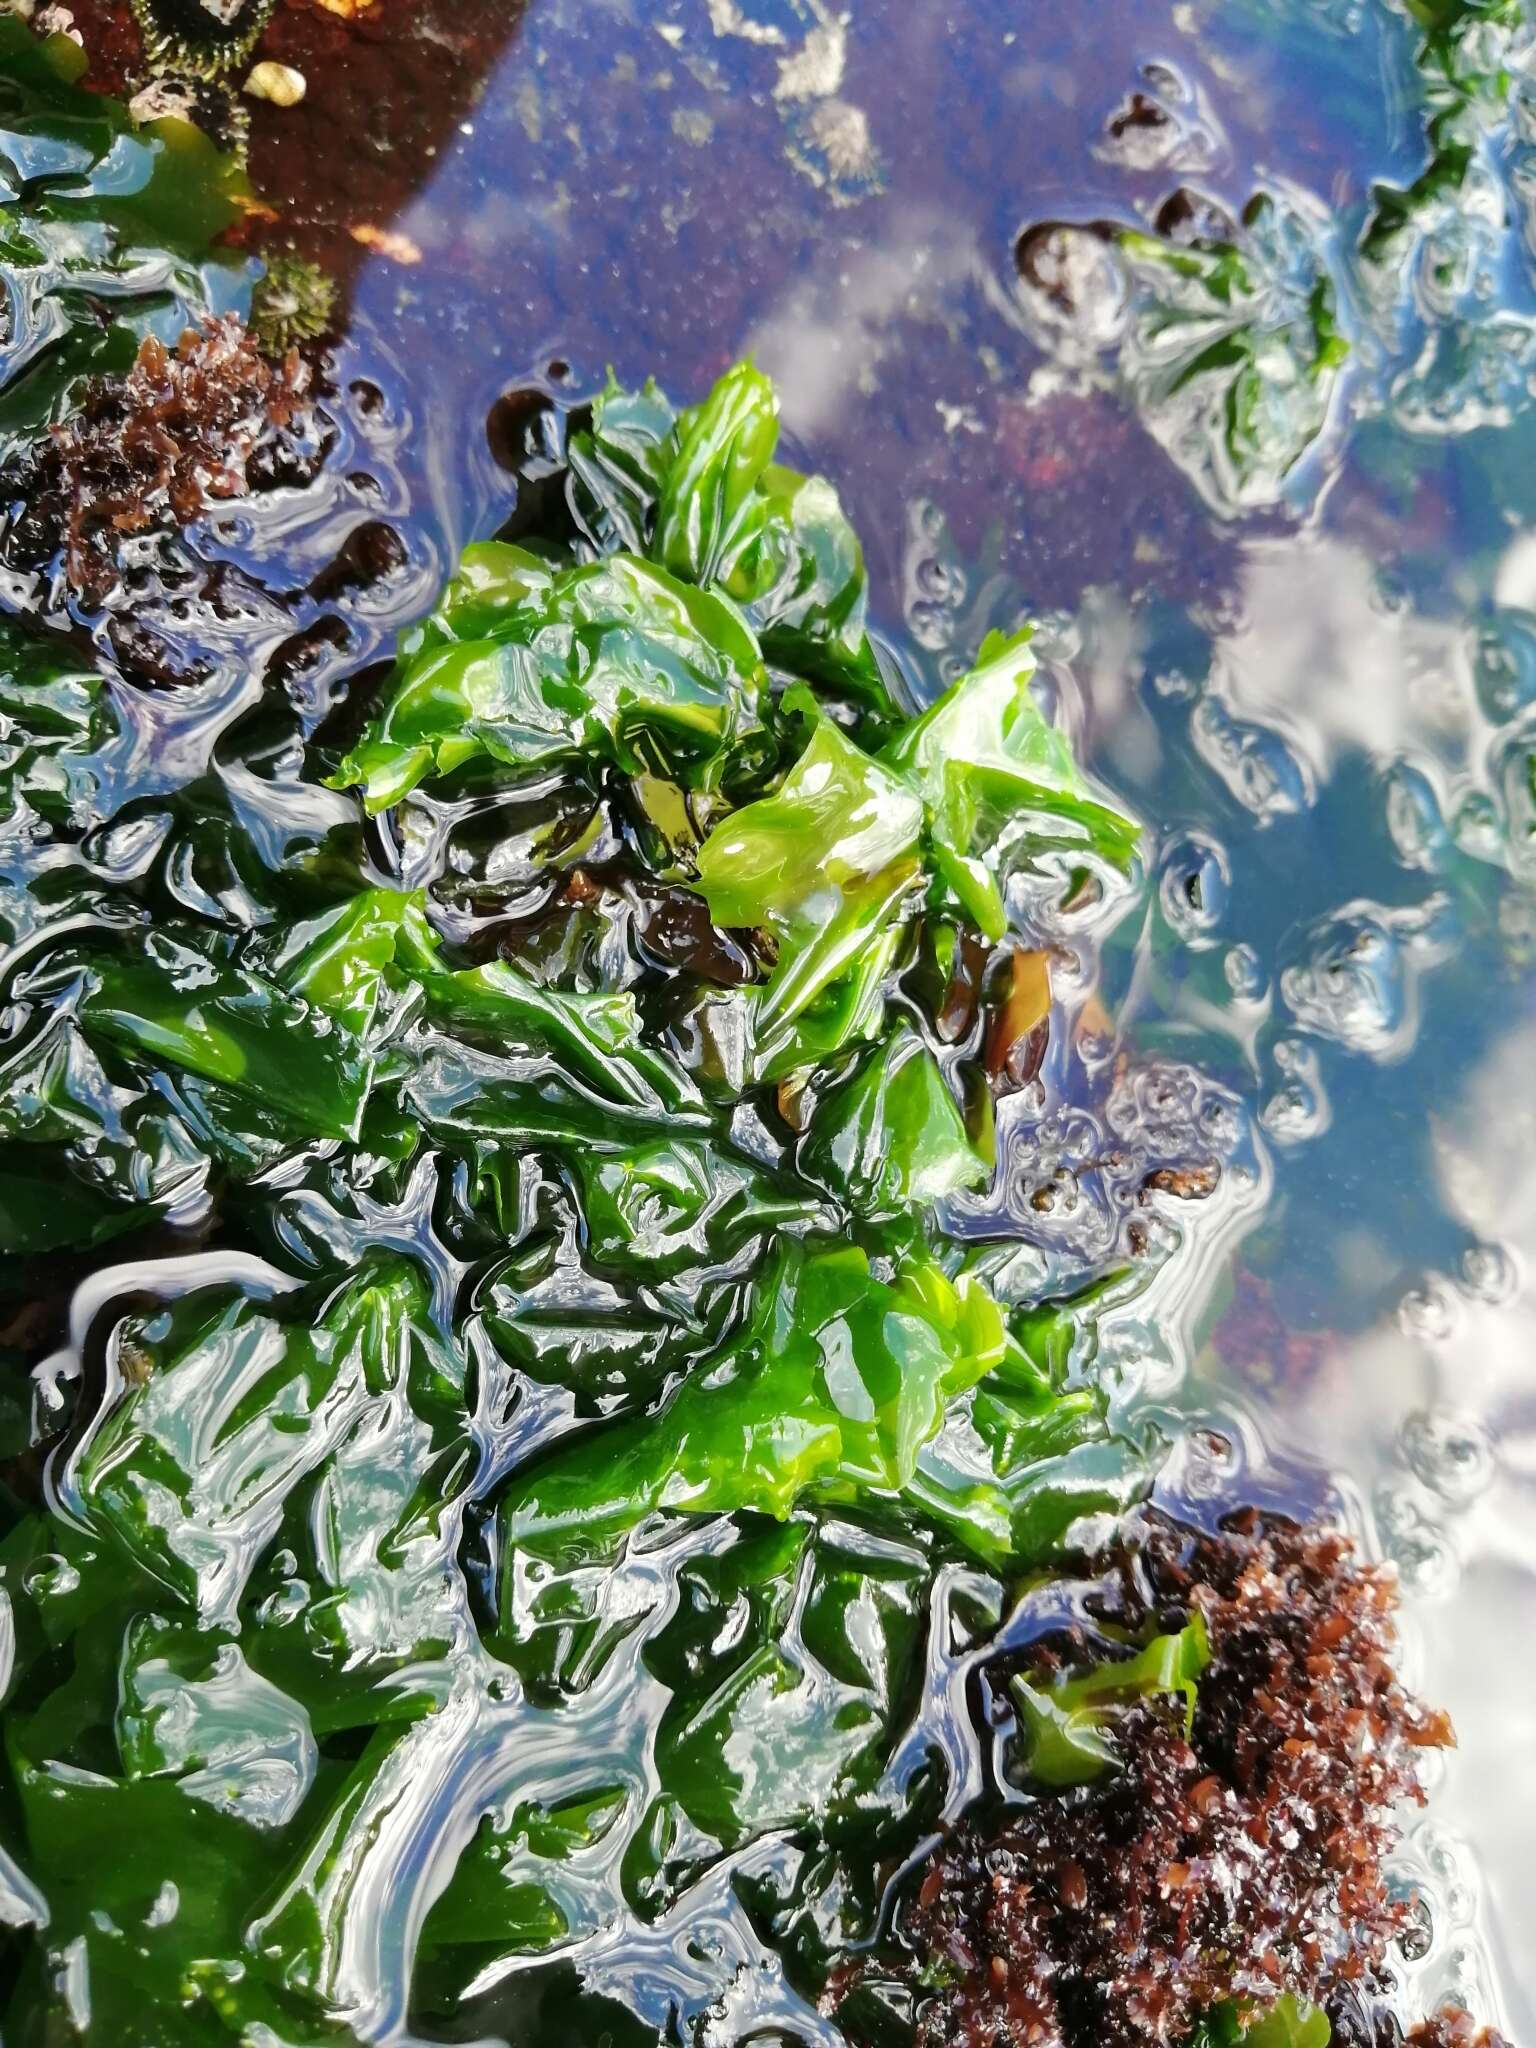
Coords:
1321,708
1309,703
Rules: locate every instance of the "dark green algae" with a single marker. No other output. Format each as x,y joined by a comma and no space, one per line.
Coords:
514,1466
531,1497
327,1585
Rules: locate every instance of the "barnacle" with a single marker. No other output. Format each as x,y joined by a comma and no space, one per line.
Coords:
196,39
294,303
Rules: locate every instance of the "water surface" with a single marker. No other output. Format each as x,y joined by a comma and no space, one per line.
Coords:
1313,705
1319,694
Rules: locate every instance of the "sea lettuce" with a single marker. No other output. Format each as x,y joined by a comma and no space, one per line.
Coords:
1467,60
701,493
829,865
891,1134
711,518
840,857
1067,1724
999,785
837,1381
1234,350
1288,2023
613,660
579,1323
764,1730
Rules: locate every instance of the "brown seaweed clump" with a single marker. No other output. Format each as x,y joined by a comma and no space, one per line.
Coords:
1242,1860
156,447
1451,2027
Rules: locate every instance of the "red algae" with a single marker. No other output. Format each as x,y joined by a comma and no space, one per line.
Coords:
158,446
1240,1860
1452,2027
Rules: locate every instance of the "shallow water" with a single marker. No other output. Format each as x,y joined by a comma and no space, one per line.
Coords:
1317,696
1311,704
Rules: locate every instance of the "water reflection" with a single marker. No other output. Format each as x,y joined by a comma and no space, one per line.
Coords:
1315,710
1322,709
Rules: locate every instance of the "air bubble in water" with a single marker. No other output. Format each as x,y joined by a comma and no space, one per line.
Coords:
926,519
1414,1541
1514,772
1488,1273
1429,1312
1450,1454
1094,1048
1195,886
1417,1937
1254,762
1058,638
1072,974
1219,1122
1413,818
1504,667
1245,974
1446,1856
1478,829
943,582
929,624
1208,1462
1160,1236
1298,1111
50,1577
1139,1356
1355,977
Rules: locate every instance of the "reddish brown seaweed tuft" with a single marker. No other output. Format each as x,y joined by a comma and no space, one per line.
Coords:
1243,1861
158,446
1451,2027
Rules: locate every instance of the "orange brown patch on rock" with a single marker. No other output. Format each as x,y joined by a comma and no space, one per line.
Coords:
1020,1026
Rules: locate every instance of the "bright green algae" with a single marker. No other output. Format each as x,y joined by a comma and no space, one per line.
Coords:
540,1499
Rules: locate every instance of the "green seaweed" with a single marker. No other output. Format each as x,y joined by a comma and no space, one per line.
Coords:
547,1261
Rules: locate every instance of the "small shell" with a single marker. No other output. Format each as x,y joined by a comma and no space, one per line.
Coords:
279,83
